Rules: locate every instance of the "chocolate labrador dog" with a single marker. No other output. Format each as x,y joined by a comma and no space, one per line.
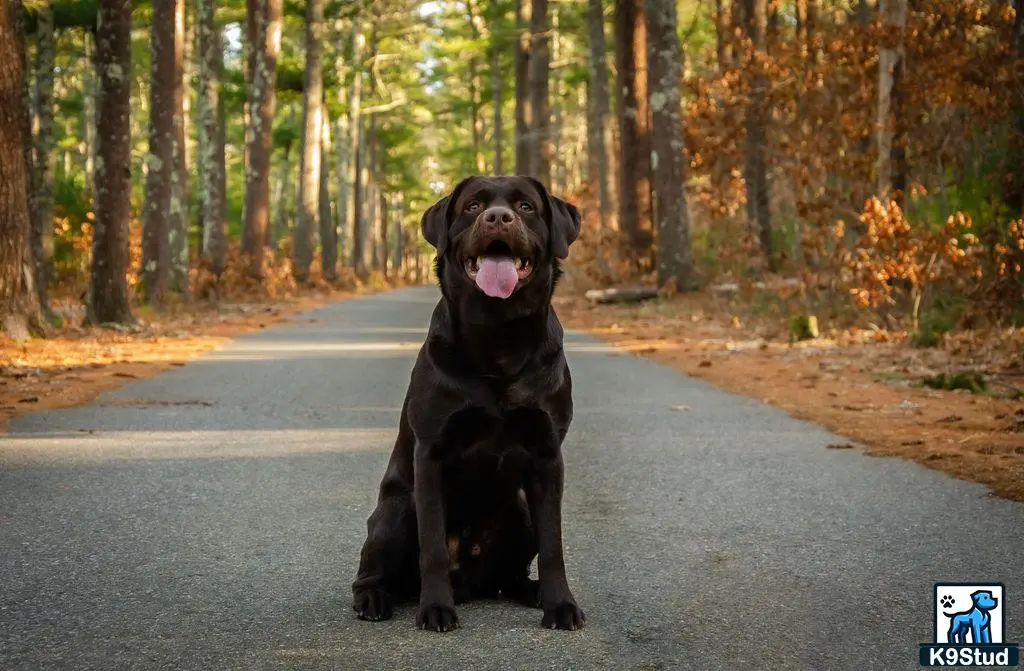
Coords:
473,489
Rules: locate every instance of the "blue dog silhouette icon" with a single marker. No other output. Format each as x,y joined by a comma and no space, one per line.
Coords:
976,620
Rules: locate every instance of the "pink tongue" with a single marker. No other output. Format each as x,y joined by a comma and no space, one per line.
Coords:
496,276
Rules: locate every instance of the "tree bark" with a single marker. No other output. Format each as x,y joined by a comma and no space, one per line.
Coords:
597,111
755,170
358,154
723,37
212,187
177,221
279,223
1015,178
308,198
524,114
475,120
890,170
668,160
634,163
264,100
497,85
19,302
155,273
342,147
90,95
43,149
108,296
540,132
328,225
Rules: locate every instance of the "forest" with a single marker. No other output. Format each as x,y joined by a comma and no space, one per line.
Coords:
864,157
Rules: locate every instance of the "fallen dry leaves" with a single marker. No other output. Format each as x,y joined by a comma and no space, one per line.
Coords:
860,384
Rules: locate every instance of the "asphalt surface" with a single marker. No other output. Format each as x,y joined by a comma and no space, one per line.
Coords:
211,518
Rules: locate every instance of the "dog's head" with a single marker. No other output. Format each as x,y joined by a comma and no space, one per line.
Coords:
983,600
500,239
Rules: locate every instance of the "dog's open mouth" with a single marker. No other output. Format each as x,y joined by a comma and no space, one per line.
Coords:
498,271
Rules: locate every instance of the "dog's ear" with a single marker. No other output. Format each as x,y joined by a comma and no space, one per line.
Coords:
438,218
563,221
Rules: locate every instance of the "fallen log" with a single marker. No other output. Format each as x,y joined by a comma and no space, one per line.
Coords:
621,295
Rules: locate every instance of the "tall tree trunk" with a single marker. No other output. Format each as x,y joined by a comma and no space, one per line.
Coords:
497,84
540,145
212,186
19,302
675,258
476,117
279,223
308,199
177,222
90,96
328,224
524,113
1015,173
635,160
43,158
342,146
358,155
264,100
558,153
755,171
890,171
723,37
155,271
371,249
597,111
108,295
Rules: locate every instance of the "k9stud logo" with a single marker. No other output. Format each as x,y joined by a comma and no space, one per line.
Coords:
969,627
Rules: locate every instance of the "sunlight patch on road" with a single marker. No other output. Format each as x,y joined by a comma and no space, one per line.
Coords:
82,446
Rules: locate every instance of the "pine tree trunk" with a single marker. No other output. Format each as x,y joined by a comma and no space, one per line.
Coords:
497,83
476,118
597,111
212,198
342,147
19,306
524,113
108,296
279,223
540,132
328,224
675,258
177,221
264,100
43,153
891,171
155,273
358,155
634,130
308,199
1015,171
755,172
90,96
371,245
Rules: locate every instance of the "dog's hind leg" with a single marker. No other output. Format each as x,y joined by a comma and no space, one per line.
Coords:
514,570
388,561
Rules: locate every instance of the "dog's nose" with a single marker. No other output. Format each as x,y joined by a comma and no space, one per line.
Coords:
498,215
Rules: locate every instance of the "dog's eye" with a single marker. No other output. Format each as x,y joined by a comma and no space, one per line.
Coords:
524,207
473,206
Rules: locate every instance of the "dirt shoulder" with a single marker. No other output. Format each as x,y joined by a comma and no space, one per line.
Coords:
76,364
860,384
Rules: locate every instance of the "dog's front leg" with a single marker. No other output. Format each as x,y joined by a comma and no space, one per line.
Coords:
544,494
437,605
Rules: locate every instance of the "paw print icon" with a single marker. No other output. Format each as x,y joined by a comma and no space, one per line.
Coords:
946,601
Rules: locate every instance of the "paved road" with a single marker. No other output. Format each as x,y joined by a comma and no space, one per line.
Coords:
210,518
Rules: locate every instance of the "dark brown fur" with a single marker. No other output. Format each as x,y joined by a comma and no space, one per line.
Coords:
473,489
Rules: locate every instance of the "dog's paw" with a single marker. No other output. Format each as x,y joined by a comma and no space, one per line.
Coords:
372,604
437,617
563,615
